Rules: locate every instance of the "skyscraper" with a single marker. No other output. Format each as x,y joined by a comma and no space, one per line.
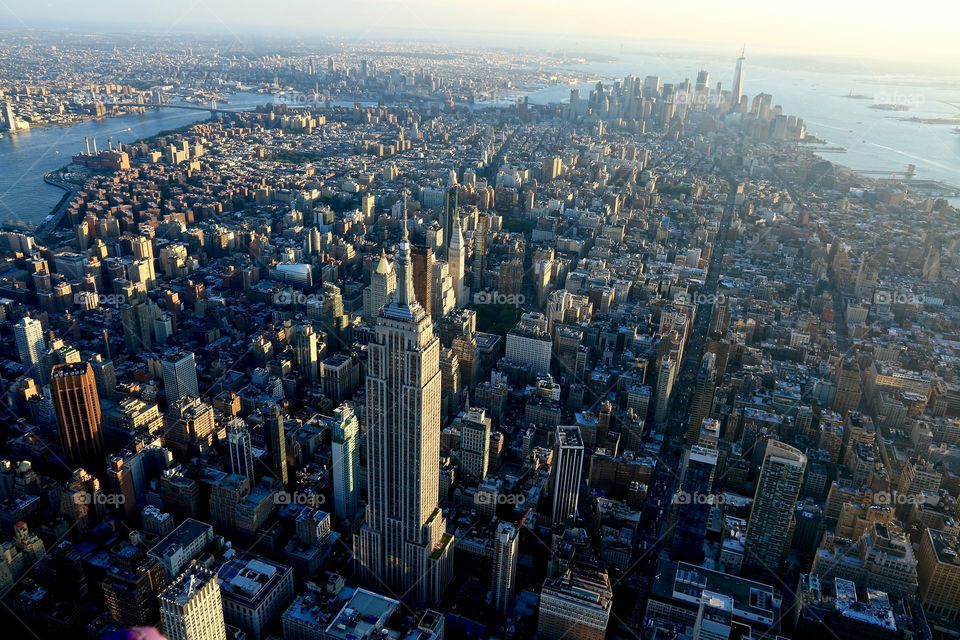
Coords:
702,402
456,259
142,249
768,529
31,347
423,260
383,283
737,91
191,607
505,546
403,542
451,216
565,473
179,375
8,119
474,443
241,453
305,352
665,380
346,461
693,504
703,79
132,587
77,406
275,436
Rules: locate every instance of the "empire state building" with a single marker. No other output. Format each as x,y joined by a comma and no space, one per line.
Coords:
403,543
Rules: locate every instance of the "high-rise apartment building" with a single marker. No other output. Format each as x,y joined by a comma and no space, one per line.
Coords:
768,530
504,582
345,463
31,347
189,427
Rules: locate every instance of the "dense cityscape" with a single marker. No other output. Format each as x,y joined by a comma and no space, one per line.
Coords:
378,347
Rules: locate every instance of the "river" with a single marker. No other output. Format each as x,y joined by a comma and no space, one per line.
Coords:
27,155
874,140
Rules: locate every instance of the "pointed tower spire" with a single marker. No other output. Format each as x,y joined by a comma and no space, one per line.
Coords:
405,295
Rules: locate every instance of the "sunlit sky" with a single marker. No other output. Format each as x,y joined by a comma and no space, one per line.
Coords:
922,31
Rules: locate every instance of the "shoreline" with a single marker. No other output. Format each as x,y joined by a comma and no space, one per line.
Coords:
57,213
48,224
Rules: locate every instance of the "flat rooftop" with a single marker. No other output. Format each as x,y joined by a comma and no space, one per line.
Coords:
251,580
362,615
188,531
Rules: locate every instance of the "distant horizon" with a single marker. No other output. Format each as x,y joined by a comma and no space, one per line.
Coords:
823,31
593,45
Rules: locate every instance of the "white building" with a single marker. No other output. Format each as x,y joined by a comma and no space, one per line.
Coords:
529,342
191,609
31,346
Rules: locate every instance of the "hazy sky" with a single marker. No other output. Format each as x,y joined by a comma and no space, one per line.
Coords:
920,30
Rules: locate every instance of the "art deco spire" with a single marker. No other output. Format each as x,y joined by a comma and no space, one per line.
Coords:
405,305
405,295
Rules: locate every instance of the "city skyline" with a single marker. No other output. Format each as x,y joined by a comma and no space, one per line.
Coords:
337,337
821,29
